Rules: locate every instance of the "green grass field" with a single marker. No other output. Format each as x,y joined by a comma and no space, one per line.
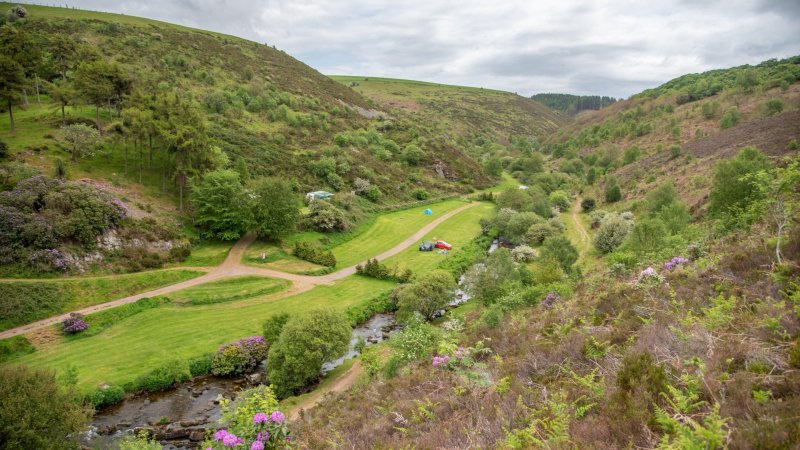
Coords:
139,343
229,290
76,293
208,254
458,231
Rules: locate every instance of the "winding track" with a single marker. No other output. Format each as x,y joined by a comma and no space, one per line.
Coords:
233,267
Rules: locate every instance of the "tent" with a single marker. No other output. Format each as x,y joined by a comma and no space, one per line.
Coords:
428,212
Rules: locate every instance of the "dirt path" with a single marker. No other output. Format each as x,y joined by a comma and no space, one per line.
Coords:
578,224
233,267
314,397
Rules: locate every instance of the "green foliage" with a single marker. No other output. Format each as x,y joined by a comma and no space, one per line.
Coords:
515,199
306,342
36,413
140,442
548,426
313,253
221,206
660,197
273,326
588,204
647,236
731,191
612,191
413,155
631,154
425,295
15,346
276,208
675,216
675,151
420,194
81,138
613,230
560,250
106,396
518,225
720,314
560,199
200,365
490,282
710,109
591,176
416,341
239,357
326,217
162,377
730,119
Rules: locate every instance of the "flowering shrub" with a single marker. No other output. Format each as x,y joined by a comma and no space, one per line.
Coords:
649,277
247,425
50,259
465,361
440,360
74,324
239,357
550,299
675,263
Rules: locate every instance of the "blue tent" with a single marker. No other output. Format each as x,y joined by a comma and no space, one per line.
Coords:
428,212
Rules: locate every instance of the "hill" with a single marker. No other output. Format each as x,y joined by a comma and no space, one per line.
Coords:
469,114
252,101
573,104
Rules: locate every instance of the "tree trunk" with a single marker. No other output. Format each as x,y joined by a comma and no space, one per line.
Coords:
38,96
11,116
25,97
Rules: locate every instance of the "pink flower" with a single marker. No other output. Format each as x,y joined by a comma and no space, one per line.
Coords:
277,416
440,360
262,436
220,435
260,418
230,440
257,445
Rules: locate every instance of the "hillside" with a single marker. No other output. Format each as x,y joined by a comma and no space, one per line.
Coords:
571,105
468,114
257,103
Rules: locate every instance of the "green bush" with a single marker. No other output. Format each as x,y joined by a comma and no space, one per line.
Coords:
162,377
273,326
675,216
200,365
427,294
239,357
774,106
710,109
326,217
15,346
588,205
631,154
675,151
730,119
418,340
420,194
106,396
35,413
647,236
561,250
613,230
315,254
221,206
560,199
538,232
612,191
731,192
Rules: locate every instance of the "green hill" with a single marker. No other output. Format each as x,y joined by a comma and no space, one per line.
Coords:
254,102
469,114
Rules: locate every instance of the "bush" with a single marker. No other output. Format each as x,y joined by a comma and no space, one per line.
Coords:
416,341
306,342
588,205
523,253
774,106
660,197
315,254
675,216
276,208
162,377
730,119
675,151
647,236
413,155
420,194
221,206
613,230
35,413
560,200
561,250
373,268
710,109
106,396
632,153
519,224
538,232
73,324
239,357
612,191
326,217
3,149
427,294
15,346
200,365
731,193
273,326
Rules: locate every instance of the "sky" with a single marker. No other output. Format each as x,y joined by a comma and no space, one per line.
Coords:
601,47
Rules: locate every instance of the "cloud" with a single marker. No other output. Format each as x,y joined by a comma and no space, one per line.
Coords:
600,47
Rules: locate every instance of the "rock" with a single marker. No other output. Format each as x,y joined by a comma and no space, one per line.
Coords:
146,430
197,435
218,399
123,425
254,378
191,423
146,402
171,435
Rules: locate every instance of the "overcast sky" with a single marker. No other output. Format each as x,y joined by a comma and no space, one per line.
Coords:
603,47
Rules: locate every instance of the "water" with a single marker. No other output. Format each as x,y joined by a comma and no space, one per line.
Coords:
377,329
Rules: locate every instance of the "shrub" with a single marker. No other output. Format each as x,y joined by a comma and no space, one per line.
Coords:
373,268
538,232
3,149
162,377
523,253
427,294
632,153
660,197
35,413
273,326
420,194
515,199
561,250
675,151
416,341
200,365
306,342
15,346
710,109
73,324
519,224
588,205
326,217
675,216
596,218
792,145
730,119
239,357
647,236
413,155
612,191
221,206
106,396
774,106
139,442
613,230
731,193
315,254
560,200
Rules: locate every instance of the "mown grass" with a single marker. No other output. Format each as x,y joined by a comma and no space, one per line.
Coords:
458,231
208,254
29,301
156,336
229,290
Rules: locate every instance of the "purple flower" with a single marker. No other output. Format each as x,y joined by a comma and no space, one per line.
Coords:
262,436
440,360
74,324
260,418
550,299
257,445
277,416
220,435
675,262
230,440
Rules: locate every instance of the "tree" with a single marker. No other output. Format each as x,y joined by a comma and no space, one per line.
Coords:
413,155
660,197
82,139
612,191
591,175
62,92
613,230
273,327
515,199
221,206
276,208
12,76
647,236
62,49
241,168
94,82
732,191
36,413
306,342
778,189
427,294
488,282
561,250
493,167
17,44
326,217
519,224
560,199
587,205
675,216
